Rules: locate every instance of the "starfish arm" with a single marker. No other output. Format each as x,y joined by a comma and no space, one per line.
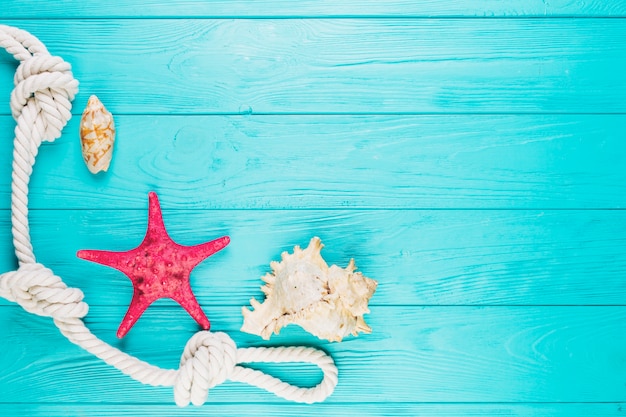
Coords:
103,257
188,301
156,226
198,253
138,305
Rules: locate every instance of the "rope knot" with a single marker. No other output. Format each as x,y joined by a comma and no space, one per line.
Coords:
39,291
208,360
46,83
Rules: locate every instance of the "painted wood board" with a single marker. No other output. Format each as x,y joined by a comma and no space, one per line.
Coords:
92,9
438,257
337,162
339,410
348,66
435,354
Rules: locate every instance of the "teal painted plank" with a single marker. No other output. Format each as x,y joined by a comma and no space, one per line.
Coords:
297,162
418,257
336,410
435,354
342,65
89,9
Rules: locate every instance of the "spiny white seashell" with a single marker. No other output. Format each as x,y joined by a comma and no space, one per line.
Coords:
97,134
328,302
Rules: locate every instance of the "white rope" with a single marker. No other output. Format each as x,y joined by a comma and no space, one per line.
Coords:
40,105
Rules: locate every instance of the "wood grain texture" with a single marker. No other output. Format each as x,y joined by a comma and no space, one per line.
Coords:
311,8
335,162
418,257
468,154
337,410
294,66
435,354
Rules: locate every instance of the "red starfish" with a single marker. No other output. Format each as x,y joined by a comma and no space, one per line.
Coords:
158,268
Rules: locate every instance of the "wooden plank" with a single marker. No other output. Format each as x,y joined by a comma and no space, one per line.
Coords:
337,410
418,257
297,162
435,354
295,66
90,9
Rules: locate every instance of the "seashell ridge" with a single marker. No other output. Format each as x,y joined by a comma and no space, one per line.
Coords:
97,135
328,302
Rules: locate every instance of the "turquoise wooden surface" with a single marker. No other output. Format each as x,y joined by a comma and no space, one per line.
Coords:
347,66
470,155
330,162
312,8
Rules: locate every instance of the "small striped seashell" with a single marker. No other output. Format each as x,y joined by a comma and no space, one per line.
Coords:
97,134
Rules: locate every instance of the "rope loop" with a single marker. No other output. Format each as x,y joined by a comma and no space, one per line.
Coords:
208,360
39,291
48,81
291,354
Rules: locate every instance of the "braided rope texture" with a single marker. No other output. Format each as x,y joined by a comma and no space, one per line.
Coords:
41,106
